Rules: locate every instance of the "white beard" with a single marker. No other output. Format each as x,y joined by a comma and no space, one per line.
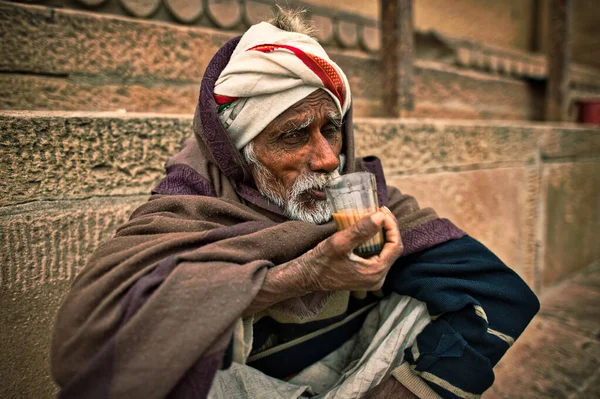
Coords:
309,210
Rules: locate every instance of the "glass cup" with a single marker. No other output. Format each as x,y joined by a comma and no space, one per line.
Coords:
352,197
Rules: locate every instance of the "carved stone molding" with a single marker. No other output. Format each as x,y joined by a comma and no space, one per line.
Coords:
140,8
256,12
185,11
346,34
324,26
224,14
337,28
369,39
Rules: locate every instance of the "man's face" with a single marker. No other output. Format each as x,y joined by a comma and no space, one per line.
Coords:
299,151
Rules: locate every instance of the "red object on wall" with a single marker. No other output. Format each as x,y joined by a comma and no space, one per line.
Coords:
589,112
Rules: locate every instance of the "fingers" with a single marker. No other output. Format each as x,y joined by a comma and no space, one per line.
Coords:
393,246
366,228
348,239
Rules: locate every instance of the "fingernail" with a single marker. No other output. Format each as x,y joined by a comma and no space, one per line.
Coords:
374,217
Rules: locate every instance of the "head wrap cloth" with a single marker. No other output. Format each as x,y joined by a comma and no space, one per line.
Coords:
269,71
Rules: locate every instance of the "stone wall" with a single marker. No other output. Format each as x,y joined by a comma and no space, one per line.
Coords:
500,22
517,24
585,31
529,192
54,59
67,59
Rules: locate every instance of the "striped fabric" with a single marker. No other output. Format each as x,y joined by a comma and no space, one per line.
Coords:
481,307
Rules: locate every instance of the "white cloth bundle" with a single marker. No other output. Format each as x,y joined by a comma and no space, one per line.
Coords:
266,80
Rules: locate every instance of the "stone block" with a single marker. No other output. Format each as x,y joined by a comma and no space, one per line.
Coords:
26,329
140,8
418,146
324,27
590,277
257,12
225,14
48,41
70,155
571,193
54,155
444,91
570,141
490,205
160,57
43,245
346,34
590,389
53,42
575,306
548,361
48,242
370,38
64,94
185,11
483,95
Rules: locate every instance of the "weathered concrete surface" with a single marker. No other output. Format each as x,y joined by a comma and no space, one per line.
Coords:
443,91
31,92
558,356
491,205
506,23
60,155
420,146
572,224
42,247
48,242
26,330
151,66
568,142
61,42
57,155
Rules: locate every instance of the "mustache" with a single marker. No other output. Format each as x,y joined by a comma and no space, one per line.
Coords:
311,181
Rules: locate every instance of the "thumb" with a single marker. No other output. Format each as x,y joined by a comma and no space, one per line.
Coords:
360,231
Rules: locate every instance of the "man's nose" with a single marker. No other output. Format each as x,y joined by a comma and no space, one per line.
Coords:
323,157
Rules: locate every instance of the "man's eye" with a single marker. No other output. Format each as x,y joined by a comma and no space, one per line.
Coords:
293,137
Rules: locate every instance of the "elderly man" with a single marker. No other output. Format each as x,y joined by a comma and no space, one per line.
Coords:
232,282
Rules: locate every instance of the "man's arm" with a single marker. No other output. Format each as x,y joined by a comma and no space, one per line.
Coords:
281,282
328,267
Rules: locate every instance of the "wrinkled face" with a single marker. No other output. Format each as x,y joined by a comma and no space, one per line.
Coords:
296,154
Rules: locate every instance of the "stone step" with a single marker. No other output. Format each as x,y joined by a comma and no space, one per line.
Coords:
488,176
43,245
61,155
69,179
54,59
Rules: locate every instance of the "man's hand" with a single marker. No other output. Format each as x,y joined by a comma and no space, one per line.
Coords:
331,265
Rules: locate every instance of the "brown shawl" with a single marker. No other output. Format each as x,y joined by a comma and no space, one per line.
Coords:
152,313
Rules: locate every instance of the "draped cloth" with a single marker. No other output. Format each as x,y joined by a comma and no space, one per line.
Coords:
153,312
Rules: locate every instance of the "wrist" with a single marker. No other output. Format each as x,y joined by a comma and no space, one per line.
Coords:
309,272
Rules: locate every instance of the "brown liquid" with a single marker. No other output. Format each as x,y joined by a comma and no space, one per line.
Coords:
346,218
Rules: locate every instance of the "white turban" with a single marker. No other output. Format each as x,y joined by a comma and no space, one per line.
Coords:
269,71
